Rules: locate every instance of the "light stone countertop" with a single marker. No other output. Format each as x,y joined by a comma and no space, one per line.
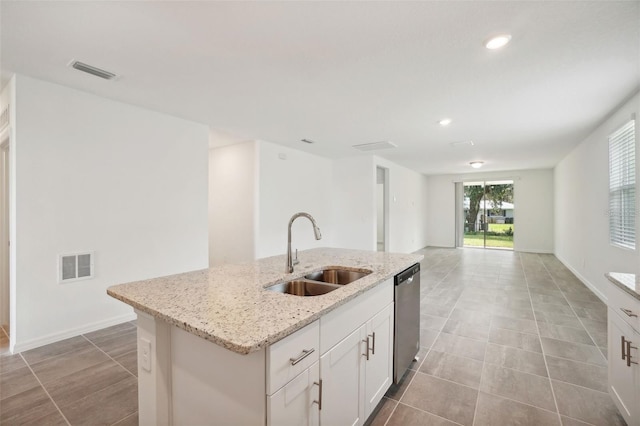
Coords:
228,304
629,283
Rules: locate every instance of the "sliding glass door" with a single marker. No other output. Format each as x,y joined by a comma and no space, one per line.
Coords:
488,214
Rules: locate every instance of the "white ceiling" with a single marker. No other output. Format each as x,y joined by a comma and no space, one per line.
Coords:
346,73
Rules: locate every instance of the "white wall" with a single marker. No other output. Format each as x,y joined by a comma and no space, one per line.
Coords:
354,200
355,217
533,208
94,174
582,203
233,203
299,182
408,195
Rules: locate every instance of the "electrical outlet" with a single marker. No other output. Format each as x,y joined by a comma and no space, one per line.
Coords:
144,347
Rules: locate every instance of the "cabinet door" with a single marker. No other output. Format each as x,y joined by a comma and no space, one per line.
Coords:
624,381
379,366
341,370
296,403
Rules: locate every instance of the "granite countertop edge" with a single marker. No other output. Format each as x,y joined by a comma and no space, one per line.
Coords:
629,283
198,302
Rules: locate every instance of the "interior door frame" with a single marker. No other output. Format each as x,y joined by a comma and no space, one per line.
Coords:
5,228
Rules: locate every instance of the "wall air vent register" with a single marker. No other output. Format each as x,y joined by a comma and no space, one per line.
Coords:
74,267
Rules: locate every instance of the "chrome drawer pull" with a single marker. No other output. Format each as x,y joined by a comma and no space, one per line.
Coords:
629,347
629,312
305,353
373,349
367,350
319,401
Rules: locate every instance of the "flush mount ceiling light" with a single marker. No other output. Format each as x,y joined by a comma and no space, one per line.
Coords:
498,41
445,122
476,164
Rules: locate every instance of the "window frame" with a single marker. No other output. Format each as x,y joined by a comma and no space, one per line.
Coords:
622,186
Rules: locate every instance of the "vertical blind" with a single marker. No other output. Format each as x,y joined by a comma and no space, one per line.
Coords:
622,187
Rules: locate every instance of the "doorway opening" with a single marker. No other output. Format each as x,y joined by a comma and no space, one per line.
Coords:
382,209
488,214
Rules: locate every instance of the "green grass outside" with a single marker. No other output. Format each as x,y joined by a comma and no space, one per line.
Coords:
476,239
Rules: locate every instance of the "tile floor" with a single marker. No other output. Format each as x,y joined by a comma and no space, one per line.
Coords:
86,380
507,339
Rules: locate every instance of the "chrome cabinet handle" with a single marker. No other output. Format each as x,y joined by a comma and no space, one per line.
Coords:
373,349
629,347
624,355
305,353
319,401
366,353
629,312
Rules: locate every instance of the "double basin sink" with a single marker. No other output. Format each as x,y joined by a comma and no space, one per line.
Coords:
319,282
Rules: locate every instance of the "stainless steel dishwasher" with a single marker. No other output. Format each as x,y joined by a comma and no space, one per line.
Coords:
406,339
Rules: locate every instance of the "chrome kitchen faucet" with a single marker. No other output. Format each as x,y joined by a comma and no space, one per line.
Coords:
316,231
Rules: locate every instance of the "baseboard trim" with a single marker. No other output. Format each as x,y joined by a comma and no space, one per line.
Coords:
535,251
584,281
56,337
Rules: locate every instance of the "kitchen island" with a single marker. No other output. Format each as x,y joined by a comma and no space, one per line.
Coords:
216,346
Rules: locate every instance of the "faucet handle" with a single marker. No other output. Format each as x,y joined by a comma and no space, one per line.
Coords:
295,261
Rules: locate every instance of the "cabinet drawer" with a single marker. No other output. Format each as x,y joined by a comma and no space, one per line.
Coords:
342,321
291,356
625,305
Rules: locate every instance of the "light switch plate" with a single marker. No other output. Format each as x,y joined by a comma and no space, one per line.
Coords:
145,354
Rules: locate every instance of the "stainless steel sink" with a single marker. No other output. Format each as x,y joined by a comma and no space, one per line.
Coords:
303,287
337,275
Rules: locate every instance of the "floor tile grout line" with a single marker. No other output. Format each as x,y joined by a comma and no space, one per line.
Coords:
434,340
45,389
125,418
576,314
484,363
429,412
546,365
110,357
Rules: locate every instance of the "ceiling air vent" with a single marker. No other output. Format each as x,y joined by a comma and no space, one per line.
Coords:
81,66
374,146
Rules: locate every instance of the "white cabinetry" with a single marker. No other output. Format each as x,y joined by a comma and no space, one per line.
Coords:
293,382
342,380
333,371
296,403
624,354
356,364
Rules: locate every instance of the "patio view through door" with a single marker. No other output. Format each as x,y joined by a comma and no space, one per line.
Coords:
488,214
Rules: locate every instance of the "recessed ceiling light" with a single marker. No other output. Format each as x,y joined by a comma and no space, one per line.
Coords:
476,164
498,41
445,122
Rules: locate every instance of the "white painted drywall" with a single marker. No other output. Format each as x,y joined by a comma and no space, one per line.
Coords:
233,203
93,174
533,208
354,200
355,213
582,203
407,207
292,181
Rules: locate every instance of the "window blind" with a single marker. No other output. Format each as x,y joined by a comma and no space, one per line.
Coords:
622,186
